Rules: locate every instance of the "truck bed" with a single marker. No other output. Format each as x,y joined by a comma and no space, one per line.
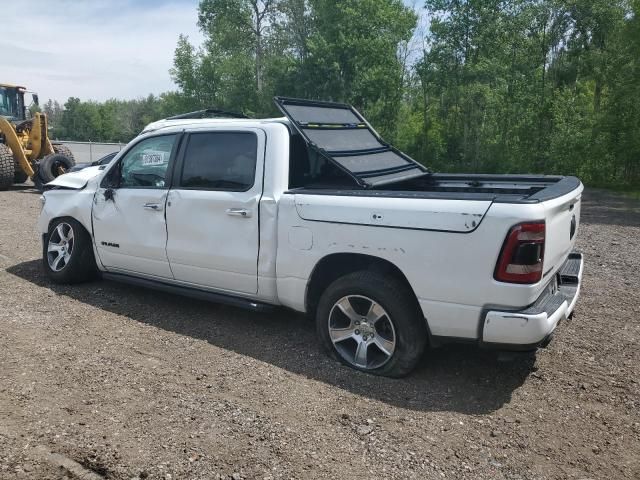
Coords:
494,188
335,150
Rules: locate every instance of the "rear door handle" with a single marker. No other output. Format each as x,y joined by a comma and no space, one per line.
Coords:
152,206
239,212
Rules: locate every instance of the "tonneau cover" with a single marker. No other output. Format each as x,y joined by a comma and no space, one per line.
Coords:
341,134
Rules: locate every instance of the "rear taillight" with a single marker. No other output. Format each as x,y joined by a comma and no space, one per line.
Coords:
522,254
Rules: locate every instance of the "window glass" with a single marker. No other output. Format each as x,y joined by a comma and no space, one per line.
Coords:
220,161
9,102
145,165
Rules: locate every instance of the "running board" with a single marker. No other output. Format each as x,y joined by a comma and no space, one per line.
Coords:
190,292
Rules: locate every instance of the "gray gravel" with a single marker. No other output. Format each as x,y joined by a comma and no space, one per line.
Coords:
130,383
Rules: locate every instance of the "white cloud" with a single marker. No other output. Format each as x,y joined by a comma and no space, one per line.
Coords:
93,49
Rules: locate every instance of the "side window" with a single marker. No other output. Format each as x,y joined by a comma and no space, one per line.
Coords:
220,161
145,165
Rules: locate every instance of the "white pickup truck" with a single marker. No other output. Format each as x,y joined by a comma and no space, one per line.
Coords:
315,212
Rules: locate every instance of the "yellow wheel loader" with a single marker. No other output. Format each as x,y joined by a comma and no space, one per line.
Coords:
25,148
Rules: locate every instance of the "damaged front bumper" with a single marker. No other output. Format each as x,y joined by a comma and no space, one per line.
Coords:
533,327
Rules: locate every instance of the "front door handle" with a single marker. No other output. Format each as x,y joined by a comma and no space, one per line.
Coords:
239,212
152,206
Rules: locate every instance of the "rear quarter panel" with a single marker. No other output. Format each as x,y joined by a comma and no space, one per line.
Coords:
451,272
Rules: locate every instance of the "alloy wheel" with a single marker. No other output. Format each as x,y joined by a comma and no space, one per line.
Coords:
362,332
60,247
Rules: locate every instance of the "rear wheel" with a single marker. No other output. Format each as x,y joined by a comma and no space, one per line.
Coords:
67,254
7,167
372,322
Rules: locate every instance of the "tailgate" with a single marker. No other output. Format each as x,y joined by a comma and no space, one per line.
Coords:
562,216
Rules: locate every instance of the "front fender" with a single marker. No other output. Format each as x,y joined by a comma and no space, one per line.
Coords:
76,204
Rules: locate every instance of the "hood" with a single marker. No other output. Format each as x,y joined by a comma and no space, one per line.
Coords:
76,180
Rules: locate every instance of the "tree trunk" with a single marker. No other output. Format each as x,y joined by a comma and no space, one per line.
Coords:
541,162
259,61
425,119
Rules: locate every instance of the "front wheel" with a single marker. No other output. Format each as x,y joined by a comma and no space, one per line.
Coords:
67,254
372,322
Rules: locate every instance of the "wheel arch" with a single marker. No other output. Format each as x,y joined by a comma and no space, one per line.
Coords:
333,266
71,217
75,204
60,217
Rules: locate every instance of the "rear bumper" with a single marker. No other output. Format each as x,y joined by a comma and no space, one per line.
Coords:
532,327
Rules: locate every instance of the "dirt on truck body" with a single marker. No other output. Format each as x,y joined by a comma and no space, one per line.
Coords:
107,381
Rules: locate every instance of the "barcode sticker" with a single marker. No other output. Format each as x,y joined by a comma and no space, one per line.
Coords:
153,159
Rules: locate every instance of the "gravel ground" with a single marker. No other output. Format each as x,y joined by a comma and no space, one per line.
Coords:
131,383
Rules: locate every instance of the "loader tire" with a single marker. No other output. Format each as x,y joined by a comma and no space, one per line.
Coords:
7,167
53,166
64,150
18,175
38,183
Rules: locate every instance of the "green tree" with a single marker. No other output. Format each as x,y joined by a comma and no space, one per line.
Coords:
544,86
352,56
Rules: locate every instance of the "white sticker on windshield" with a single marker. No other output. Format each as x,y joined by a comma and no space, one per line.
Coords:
154,158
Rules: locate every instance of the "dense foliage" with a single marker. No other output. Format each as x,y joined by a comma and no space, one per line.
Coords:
547,86
110,121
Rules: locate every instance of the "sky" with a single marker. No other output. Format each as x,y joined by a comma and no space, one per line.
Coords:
95,49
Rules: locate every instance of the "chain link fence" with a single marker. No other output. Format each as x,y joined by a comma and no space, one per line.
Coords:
86,152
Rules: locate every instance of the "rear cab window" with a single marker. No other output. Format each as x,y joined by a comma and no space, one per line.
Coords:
307,169
219,161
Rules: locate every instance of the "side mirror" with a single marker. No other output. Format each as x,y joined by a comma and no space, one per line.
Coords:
35,99
112,179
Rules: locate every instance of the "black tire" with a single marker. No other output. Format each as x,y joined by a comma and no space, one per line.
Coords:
18,175
53,166
64,150
402,312
81,264
7,167
38,183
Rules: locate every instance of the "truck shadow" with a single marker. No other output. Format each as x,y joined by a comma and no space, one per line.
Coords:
459,378
24,187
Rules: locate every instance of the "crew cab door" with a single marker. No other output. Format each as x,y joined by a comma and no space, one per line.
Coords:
213,210
129,209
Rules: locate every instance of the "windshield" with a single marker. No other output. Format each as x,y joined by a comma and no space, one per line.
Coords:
8,102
